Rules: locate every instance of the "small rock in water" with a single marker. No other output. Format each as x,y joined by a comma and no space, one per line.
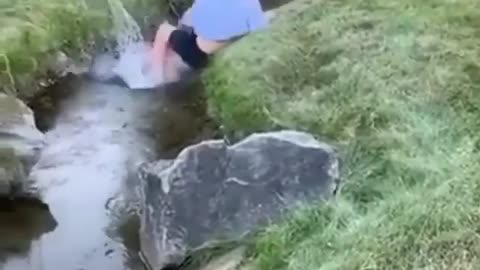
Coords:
214,192
108,252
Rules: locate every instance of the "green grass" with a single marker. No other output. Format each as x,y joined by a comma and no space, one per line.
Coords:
31,30
395,86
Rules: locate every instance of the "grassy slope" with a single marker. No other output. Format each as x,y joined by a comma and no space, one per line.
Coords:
395,85
32,29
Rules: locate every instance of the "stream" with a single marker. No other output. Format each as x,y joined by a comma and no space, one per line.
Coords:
96,136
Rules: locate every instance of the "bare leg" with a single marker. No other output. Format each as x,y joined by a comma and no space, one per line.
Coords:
159,48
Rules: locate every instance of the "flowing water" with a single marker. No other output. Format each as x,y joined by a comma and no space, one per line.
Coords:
129,61
96,134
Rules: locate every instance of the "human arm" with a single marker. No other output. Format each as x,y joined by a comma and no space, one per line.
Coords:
160,43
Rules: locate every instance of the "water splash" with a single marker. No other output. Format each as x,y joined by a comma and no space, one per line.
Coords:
125,29
131,64
133,67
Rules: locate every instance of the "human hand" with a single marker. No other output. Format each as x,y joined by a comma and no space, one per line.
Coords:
147,65
151,62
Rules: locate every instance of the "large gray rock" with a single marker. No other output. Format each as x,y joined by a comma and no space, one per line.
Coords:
17,128
214,192
20,142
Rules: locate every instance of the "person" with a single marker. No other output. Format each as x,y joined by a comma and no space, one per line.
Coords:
205,28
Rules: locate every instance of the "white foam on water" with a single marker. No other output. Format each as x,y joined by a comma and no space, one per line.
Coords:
134,69
132,66
125,29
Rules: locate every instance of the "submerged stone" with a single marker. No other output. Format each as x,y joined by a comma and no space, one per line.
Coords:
215,192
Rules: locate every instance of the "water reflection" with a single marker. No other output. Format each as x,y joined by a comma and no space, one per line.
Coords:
22,224
125,231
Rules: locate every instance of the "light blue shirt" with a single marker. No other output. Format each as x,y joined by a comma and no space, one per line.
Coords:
225,19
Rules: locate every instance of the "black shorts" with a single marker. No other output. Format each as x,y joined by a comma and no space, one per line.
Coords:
184,43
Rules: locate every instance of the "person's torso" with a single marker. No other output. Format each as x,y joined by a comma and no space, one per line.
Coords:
222,20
